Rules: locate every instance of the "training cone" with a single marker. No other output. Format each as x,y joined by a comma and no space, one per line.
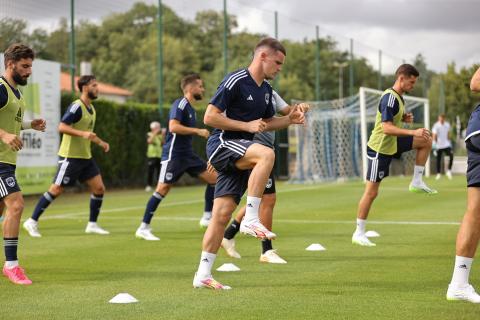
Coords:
372,234
228,267
123,298
315,247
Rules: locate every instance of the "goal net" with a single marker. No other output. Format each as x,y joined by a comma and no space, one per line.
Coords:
332,145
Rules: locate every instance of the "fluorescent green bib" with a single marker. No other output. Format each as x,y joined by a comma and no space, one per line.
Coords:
155,148
379,141
78,147
11,116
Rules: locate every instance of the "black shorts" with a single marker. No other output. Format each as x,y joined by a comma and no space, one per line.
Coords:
231,181
379,164
270,187
473,163
174,168
8,181
72,169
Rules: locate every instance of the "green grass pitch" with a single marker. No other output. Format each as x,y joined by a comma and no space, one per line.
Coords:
404,277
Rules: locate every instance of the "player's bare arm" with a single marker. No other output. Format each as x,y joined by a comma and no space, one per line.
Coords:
214,118
475,82
390,129
176,127
11,139
296,116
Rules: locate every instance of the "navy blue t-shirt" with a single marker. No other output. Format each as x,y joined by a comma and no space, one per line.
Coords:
179,144
73,114
473,127
389,107
4,94
239,96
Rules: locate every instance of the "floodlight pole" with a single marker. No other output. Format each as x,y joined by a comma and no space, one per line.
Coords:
351,66
225,32
72,45
160,57
317,64
275,81
380,70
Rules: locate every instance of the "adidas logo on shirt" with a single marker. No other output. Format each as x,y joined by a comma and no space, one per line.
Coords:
250,98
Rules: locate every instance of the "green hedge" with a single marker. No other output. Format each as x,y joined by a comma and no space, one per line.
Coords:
124,127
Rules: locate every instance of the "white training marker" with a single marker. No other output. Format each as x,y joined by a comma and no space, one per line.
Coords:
228,267
372,234
315,247
123,298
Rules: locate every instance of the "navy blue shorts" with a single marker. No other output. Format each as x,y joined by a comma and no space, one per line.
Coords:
473,163
231,181
8,181
174,168
379,164
270,187
72,169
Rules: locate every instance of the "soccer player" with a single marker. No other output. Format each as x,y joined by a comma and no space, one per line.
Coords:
178,156
155,140
389,140
75,158
241,107
469,233
18,60
440,131
266,138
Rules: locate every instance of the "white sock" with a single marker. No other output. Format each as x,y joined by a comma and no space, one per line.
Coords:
11,264
144,225
361,224
207,215
251,213
417,174
206,263
461,271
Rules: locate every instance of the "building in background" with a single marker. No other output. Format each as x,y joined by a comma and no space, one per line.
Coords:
105,91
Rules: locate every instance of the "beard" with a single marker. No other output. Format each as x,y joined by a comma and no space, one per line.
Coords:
92,96
198,96
18,78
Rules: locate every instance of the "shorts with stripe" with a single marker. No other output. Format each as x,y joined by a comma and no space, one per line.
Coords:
8,181
379,163
72,169
270,187
473,162
230,181
174,168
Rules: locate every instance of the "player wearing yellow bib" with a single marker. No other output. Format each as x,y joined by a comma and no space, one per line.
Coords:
75,158
18,67
389,140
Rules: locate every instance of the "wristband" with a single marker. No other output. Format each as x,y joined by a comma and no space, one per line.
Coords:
27,124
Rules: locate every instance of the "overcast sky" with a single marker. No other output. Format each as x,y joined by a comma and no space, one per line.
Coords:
442,30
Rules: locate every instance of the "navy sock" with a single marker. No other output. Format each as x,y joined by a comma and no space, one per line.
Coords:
266,245
42,204
10,245
232,230
95,205
209,191
152,206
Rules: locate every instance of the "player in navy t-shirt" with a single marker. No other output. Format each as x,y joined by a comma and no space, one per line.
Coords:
469,233
241,107
178,156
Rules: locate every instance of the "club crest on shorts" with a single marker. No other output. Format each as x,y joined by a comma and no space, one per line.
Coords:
381,174
10,181
269,183
169,176
66,180
267,97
